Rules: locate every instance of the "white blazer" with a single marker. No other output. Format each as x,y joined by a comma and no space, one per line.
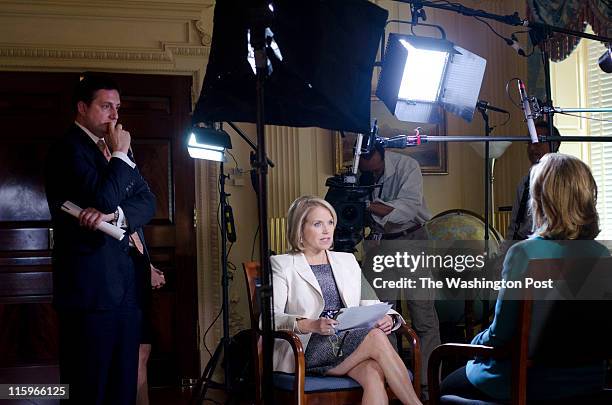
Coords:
297,294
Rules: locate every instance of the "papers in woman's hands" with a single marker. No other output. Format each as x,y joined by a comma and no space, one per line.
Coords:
105,227
361,317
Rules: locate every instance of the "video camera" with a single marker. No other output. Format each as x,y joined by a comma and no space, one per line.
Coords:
349,200
348,197
348,192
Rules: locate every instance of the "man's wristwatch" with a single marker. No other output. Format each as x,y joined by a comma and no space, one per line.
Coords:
116,216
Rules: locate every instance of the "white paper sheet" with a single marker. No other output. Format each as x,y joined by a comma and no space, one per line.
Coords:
362,316
105,227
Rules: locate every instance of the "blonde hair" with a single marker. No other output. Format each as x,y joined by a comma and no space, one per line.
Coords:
563,198
296,216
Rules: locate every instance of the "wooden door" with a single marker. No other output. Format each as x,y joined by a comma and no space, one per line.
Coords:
35,109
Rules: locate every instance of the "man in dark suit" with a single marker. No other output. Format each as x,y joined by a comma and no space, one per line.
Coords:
520,224
97,279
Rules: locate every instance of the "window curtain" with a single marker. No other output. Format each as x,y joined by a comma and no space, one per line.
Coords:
570,14
573,15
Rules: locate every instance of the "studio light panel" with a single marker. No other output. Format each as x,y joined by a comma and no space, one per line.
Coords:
423,76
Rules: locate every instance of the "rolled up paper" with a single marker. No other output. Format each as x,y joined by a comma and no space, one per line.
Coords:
105,227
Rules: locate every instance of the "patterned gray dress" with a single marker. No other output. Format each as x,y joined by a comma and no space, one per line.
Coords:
319,354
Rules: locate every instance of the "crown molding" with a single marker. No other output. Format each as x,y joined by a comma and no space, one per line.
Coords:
115,9
195,51
167,58
80,53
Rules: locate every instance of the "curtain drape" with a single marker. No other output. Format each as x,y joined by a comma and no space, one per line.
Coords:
573,15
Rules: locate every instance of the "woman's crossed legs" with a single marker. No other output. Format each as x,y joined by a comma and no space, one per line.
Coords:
374,361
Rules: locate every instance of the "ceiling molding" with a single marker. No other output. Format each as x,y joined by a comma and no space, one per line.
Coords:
150,9
171,57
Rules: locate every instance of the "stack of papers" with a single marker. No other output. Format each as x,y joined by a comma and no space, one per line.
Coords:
361,317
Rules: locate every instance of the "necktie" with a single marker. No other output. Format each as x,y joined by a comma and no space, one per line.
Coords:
104,149
134,236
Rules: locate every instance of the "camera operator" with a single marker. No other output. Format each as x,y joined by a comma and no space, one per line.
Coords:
398,211
398,208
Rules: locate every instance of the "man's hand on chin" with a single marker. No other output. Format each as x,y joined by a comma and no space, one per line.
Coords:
117,139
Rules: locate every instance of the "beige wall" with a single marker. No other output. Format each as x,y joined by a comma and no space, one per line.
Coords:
173,37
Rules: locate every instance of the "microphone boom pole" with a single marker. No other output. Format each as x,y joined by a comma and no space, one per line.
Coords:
411,140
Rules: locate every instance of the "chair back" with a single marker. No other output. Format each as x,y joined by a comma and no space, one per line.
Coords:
582,296
555,328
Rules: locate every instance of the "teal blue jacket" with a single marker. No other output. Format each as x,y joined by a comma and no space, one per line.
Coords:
493,376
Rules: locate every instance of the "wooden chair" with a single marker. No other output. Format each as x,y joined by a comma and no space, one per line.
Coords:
545,332
299,388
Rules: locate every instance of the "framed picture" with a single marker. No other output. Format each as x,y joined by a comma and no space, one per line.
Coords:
431,156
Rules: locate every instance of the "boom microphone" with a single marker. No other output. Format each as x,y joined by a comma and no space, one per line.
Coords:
527,111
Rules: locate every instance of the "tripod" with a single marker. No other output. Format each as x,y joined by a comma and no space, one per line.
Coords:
205,381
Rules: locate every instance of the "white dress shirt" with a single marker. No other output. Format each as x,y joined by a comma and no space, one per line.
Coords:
121,155
121,221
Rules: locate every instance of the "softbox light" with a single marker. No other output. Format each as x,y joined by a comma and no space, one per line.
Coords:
328,52
420,76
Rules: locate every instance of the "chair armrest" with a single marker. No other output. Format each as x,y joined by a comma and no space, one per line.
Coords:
415,364
454,350
300,364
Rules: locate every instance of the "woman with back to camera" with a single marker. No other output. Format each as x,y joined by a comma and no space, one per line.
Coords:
311,283
565,224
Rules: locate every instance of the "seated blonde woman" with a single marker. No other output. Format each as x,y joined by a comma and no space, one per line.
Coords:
311,283
562,206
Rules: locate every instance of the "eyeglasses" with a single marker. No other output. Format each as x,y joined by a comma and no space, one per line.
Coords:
334,340
337,342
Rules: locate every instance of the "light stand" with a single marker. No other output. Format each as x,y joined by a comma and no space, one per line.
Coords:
212,139
205,382
487,204
210,143
258,41
487,200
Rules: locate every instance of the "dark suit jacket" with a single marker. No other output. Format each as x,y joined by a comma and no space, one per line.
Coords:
91,270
